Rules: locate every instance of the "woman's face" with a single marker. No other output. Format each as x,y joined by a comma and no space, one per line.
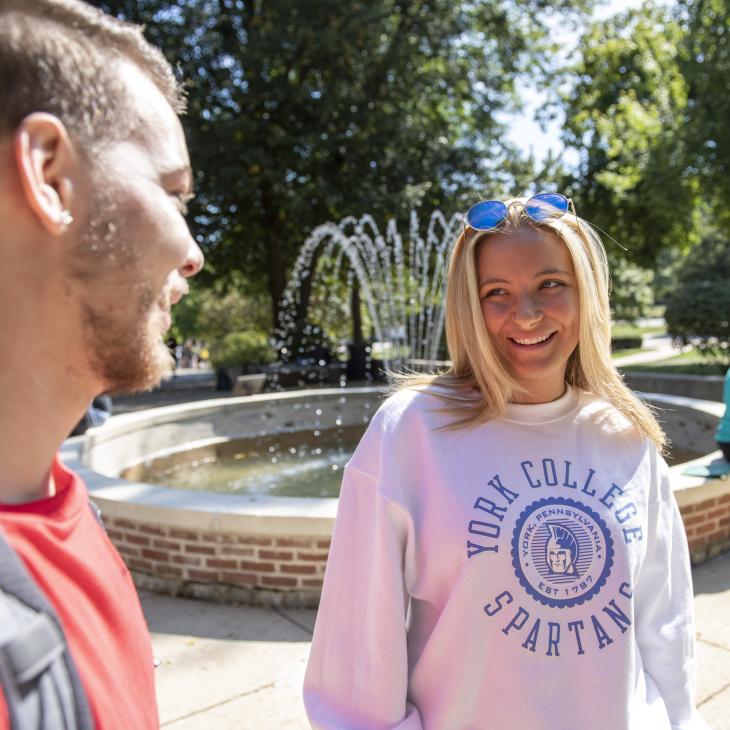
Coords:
529,301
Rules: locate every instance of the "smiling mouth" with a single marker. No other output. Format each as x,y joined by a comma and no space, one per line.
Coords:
531,341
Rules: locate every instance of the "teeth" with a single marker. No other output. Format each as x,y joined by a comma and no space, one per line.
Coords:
532,340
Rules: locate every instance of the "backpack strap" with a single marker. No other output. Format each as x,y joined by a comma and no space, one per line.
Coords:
94,507
40,681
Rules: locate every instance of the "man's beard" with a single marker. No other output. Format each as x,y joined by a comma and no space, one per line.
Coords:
128,355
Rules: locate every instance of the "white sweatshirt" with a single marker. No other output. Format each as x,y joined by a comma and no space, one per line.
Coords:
528,573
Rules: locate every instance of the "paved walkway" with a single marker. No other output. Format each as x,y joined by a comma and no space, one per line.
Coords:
656,347
226,667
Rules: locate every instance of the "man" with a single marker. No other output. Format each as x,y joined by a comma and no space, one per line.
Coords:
94,250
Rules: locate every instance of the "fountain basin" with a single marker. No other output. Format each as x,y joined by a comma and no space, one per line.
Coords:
272,550
254,548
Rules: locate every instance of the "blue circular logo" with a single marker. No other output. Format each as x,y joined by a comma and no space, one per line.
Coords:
562,552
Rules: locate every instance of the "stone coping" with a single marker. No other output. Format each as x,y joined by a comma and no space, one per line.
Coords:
260,514
690,489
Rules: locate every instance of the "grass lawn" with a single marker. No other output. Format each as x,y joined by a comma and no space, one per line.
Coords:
624,353
686,363
629,330
658,329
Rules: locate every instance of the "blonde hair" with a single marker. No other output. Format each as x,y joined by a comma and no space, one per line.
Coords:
477,386
57,56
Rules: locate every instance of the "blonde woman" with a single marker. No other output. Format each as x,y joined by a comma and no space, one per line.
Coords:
507,551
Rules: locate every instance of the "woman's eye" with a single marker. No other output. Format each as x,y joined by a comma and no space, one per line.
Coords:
493,293
551,284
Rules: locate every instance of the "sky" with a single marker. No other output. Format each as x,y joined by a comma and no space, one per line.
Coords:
525,131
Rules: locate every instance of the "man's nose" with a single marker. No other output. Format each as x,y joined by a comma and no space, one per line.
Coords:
194,261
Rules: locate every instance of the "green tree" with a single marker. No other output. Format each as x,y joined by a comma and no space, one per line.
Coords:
705,135
625,115
210,313
302,112
698,307
631,292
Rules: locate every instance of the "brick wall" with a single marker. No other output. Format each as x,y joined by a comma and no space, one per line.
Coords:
289,569
707,525
180,557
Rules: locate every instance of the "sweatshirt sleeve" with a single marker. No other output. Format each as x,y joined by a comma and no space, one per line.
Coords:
357,676
664,610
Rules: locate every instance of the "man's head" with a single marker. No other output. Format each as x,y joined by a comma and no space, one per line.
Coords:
88,130
58,56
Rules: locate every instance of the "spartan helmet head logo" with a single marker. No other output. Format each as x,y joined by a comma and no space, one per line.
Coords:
561,550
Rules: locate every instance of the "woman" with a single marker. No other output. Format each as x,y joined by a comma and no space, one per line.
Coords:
507,551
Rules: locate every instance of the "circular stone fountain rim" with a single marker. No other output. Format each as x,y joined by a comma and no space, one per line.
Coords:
126,495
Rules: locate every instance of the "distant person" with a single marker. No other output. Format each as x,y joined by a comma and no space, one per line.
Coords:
97,414
94,175
723,430
508,552
187,354
171,343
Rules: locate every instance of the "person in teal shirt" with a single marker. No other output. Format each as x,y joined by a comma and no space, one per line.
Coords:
723,430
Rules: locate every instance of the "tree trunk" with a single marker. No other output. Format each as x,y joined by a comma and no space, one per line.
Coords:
305,289
356,310
274,255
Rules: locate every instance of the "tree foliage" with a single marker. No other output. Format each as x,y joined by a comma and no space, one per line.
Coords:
705,135
301,113
624,114
211,313
631,292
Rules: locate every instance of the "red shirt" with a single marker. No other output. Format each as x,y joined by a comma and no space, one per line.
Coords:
85,579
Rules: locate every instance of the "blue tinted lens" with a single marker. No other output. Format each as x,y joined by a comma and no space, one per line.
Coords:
486,215
545,206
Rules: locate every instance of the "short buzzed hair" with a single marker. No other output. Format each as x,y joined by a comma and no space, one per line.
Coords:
59,56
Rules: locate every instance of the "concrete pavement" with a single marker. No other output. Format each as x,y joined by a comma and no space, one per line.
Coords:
712,615
225,667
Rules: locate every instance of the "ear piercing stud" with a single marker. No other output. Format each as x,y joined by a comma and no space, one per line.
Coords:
66,219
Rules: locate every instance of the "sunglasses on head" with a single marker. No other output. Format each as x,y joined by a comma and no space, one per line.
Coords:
490,214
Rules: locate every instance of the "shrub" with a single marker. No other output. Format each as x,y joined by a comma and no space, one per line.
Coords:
698,309
242,348
626,343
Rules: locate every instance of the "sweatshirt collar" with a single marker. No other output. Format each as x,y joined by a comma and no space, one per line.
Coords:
543,412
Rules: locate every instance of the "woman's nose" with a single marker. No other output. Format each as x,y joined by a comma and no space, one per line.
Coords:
526,312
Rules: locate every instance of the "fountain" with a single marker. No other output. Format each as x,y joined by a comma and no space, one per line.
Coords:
265,545
402,286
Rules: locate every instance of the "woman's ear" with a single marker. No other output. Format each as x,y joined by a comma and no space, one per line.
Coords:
45,161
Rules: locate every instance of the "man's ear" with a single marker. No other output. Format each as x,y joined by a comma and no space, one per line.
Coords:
46,167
